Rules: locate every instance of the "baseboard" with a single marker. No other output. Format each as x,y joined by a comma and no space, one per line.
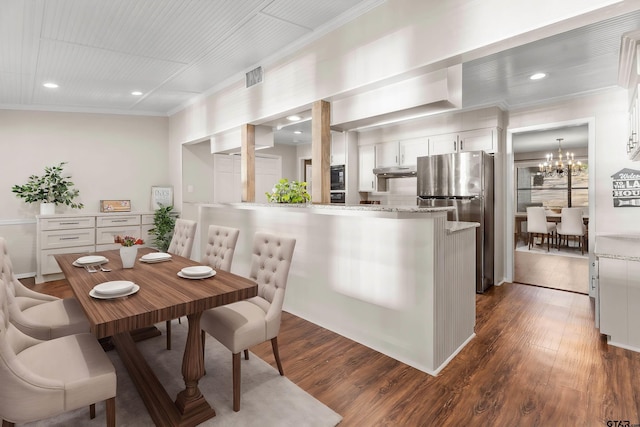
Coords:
25,275
454,354
625,346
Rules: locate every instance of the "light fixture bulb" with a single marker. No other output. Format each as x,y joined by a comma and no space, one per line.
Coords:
136,93
50,85
294,118
538,76
297,132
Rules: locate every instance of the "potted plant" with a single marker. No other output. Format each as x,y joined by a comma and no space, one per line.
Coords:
163,223
50,189
286,191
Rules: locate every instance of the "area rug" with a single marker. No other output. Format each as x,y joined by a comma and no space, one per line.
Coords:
268,399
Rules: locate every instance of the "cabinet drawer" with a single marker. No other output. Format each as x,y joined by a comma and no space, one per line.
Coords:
49,264
147,219
145,234
107,235
67,238
118,221
67,223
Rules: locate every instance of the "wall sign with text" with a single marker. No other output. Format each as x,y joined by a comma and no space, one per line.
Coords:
161,196
626,188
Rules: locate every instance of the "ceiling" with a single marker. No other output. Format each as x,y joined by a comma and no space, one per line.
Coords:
173,51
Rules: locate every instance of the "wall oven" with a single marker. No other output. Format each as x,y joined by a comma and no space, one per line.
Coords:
338,197
337,178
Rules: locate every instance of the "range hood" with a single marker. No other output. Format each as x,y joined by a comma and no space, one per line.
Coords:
396,171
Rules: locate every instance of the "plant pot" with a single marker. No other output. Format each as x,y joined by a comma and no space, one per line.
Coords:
47,208
128,256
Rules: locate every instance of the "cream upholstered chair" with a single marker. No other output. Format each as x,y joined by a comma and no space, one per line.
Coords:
41,379
182,240
537,225
181,244
38,315
571,224
221,244
246,323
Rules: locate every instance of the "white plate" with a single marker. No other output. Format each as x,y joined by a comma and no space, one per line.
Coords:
115,287
153,261
156,256
96,295
197,271
213,273
91,260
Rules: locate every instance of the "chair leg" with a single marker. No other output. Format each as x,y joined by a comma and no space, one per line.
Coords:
236,382
548,240
203,338
276,354
92,411
246,354
168,334
111,412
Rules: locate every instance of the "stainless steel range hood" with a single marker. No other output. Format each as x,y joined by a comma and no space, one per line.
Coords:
396,171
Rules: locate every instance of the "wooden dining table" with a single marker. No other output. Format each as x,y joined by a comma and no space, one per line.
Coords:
163,295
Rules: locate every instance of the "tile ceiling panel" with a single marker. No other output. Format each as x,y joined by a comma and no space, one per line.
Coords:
309,14
261,36
180,31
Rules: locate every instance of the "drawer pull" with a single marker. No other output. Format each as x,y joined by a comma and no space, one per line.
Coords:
69,223
70,238
119,220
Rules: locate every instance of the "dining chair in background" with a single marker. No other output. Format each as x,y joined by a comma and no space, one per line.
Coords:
572,225
45,378
38,315
221,245
537,225
246,323
181,244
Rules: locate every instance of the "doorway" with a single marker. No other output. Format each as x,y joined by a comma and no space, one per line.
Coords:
563,267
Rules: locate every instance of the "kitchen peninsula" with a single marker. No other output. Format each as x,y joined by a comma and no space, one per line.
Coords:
400,280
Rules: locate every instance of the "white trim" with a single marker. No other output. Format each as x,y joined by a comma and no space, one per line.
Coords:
25,275
20,221
621,345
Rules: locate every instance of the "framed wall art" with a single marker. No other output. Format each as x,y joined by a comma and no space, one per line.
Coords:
115,205
161,196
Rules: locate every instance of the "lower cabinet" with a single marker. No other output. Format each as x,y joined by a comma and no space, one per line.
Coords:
83,233
619,288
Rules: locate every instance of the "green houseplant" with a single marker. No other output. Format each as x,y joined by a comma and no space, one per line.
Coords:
163,223
53,187
286,191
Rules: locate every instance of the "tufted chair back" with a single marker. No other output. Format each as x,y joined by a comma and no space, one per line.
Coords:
182,241
221,244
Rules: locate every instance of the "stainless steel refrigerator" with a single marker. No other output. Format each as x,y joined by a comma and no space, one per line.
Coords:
465,181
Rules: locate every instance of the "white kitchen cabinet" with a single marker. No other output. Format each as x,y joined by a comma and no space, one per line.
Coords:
366,163
227,182
460,142
411,149
387,154
338,149
619,288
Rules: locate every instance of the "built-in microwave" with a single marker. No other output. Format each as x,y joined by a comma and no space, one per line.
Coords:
338,197
337,178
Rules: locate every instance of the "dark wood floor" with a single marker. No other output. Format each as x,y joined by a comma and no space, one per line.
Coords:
537,360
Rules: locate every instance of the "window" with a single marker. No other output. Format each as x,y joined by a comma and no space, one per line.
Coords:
535,189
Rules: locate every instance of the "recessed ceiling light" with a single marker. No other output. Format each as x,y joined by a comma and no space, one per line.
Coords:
538,76
136,93
50,85
294,118
297,132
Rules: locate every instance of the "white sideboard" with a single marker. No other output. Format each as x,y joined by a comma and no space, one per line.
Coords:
83,233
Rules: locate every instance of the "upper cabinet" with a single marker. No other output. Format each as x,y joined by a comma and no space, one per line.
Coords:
459,142
338,149
401,153
366,163
633,145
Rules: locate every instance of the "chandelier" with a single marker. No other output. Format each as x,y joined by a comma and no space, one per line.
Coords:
563,166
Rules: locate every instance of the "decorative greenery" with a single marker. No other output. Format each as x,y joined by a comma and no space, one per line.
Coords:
128,241
286,191
52,187
163,223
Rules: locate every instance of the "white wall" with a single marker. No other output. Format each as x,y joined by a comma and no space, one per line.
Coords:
109,157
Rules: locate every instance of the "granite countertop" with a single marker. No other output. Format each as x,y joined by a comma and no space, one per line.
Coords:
337,207
454,226
618,246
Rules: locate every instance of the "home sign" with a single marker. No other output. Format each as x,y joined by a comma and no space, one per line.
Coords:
626,188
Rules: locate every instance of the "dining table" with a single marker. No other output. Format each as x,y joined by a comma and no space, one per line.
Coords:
162,295
552,216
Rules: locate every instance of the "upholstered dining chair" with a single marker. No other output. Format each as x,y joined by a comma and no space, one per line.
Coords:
537,225
38,315
571,225
246,323
221,245
42,379
181,244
